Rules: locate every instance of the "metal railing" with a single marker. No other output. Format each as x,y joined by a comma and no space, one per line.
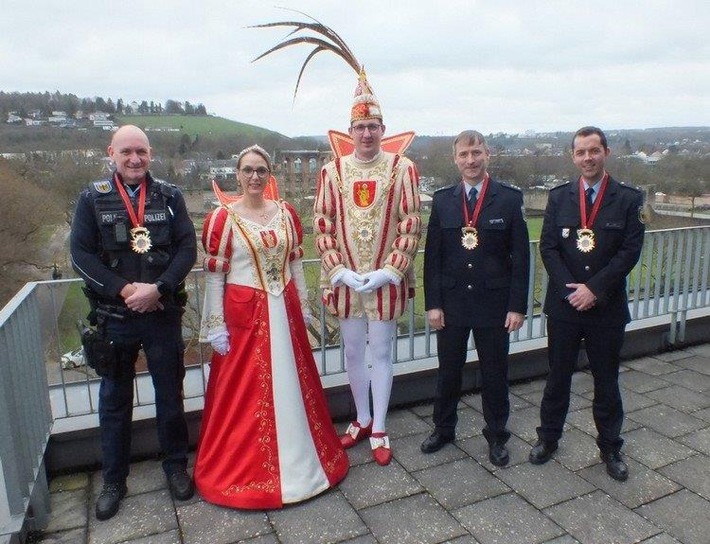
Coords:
669,285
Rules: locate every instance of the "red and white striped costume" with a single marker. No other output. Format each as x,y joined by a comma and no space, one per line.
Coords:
366,217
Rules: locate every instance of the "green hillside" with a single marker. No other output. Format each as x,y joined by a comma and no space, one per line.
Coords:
204,125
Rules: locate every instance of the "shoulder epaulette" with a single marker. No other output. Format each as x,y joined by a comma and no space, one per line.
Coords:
563,184
511,186
632,187
446,188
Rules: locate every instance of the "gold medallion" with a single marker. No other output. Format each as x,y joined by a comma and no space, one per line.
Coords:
585,240
140,240
469,238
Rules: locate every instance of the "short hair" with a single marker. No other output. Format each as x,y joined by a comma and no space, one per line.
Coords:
588,131
254,149
470,137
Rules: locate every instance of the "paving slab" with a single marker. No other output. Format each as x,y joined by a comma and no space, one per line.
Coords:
74,536
566,539
651,366
533,483
70,482
459,483
523,388
582,382
404,423
409,455
477,448
640,382
413,520
170,537
653,449
683,515
643,486
701,350
507,519
662,538
675,355
68,510
138,516
202,522
597,518
326,518
693,473
698,440
666,420
523,423
577,450
695,381
697,364
371,484
681,398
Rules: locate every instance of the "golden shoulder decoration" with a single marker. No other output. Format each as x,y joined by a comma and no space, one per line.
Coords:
365,104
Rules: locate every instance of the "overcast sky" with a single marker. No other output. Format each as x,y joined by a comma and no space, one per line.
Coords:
437,67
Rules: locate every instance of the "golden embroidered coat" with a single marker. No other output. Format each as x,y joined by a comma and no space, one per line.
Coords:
366,217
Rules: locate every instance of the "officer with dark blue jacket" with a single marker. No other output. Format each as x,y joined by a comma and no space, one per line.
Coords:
476,274
592,236
133,243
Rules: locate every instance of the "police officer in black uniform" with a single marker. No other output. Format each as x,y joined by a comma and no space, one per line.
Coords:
592,236
476,264
133,243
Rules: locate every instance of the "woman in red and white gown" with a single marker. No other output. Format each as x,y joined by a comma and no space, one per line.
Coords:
266,438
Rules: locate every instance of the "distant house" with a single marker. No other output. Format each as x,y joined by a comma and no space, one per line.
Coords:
223,169
12,118
101,119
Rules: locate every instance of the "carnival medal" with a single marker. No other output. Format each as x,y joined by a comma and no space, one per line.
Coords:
469,234
469,238
585,235
585,240
140,240
140,236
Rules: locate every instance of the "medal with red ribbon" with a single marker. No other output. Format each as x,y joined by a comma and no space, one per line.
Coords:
469,234
585,235
140,236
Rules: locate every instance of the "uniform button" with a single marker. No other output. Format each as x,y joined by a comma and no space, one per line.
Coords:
586,267
469,287
469,265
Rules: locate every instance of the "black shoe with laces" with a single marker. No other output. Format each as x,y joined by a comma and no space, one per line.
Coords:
109,500
181,486
615,466
498,454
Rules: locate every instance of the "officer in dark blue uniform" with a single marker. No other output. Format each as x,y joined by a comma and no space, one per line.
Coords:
476,274
133,243
592,236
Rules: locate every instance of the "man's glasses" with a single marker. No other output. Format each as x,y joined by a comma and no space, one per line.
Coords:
371,128
248,171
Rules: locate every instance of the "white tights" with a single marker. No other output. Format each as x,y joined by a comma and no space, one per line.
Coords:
356,332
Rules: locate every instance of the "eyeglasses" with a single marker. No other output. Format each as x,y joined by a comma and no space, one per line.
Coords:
371,128
248,171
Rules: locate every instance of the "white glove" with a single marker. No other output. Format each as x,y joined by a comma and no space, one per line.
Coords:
220,343
376,279
347,277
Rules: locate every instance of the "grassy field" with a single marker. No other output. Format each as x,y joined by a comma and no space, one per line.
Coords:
204,125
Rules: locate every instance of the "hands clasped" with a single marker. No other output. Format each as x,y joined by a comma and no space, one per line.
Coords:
375,280
347,277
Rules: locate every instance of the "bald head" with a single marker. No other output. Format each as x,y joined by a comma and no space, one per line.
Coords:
130,151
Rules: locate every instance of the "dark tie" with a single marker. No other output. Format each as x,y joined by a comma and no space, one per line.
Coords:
590,201
472,200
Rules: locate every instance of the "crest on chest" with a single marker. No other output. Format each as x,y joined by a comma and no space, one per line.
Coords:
364,192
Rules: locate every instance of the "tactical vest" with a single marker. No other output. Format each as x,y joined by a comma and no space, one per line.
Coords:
115,225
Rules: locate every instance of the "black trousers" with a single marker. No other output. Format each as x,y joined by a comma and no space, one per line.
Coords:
603,345
492,344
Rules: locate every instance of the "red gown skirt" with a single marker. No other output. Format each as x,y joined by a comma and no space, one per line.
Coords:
267,438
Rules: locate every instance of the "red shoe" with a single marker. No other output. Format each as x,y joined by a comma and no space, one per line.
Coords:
355,434
381,452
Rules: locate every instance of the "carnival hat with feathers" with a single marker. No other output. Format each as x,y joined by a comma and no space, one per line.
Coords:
365,104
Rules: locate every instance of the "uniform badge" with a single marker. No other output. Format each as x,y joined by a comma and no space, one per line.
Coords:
585,240
364,192
140,240
565,233
102,187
